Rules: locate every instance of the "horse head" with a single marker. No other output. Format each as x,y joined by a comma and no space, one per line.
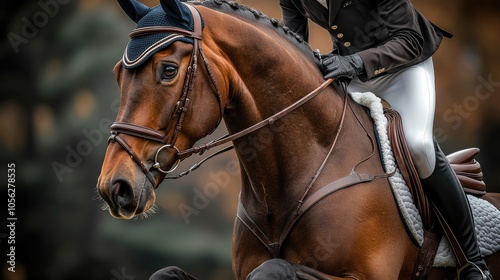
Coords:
158,116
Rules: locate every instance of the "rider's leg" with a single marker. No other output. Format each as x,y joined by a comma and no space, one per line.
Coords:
445,191
411,92
279,269
171,273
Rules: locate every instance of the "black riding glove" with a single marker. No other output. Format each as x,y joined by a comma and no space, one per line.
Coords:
337,66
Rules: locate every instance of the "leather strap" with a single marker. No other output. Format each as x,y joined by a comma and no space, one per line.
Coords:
244,217
202,148
116,138
352,179
452,240
197,22
183,102
426,255
138,131
274,248
165,29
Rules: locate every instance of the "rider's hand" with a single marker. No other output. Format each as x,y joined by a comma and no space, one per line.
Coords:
337,66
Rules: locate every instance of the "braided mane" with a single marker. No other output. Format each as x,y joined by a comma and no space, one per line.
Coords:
231,7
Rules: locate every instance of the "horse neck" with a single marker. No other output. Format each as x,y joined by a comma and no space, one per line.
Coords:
267,72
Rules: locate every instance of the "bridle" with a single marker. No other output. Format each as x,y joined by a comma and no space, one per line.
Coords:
180,109
118,128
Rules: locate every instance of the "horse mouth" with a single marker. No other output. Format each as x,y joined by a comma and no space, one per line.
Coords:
123,203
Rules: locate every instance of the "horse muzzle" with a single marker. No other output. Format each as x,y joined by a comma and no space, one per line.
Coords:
127,190
125,199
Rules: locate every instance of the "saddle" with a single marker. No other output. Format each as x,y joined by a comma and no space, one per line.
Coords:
469,173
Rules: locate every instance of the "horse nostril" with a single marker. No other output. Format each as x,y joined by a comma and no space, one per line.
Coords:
122,193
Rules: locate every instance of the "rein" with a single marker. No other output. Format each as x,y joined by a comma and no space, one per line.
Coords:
178,114
270,120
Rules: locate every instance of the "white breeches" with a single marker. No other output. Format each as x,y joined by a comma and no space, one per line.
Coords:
412,93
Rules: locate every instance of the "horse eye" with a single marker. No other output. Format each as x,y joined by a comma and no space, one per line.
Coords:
169,72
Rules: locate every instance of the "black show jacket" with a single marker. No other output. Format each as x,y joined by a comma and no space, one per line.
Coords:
388,35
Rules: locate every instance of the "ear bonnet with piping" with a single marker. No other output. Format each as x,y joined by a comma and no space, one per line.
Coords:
170,13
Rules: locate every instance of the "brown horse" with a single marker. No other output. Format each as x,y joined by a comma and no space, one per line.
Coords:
249,67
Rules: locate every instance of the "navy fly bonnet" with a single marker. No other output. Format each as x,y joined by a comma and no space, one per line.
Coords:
171,13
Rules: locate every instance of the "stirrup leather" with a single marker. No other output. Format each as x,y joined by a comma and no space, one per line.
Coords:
485,274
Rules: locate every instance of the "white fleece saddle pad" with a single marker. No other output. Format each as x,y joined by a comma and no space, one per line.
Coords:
486,216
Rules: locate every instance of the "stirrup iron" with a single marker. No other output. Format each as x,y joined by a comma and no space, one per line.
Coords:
485,274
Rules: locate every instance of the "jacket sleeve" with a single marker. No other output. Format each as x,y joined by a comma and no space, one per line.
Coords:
405,42
293,19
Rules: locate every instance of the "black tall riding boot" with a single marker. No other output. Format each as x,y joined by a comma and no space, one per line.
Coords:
446,192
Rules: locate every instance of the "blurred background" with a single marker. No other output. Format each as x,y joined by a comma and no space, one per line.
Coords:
59,96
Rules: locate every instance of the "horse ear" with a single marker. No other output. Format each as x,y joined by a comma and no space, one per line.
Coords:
134,9
175,10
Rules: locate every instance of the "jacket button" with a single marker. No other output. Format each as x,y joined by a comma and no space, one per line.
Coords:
340,35
334,27
347,44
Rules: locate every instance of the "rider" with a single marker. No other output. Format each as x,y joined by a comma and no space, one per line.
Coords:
385,46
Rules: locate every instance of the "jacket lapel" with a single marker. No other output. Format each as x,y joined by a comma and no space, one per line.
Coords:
323,3
333,9
316,5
